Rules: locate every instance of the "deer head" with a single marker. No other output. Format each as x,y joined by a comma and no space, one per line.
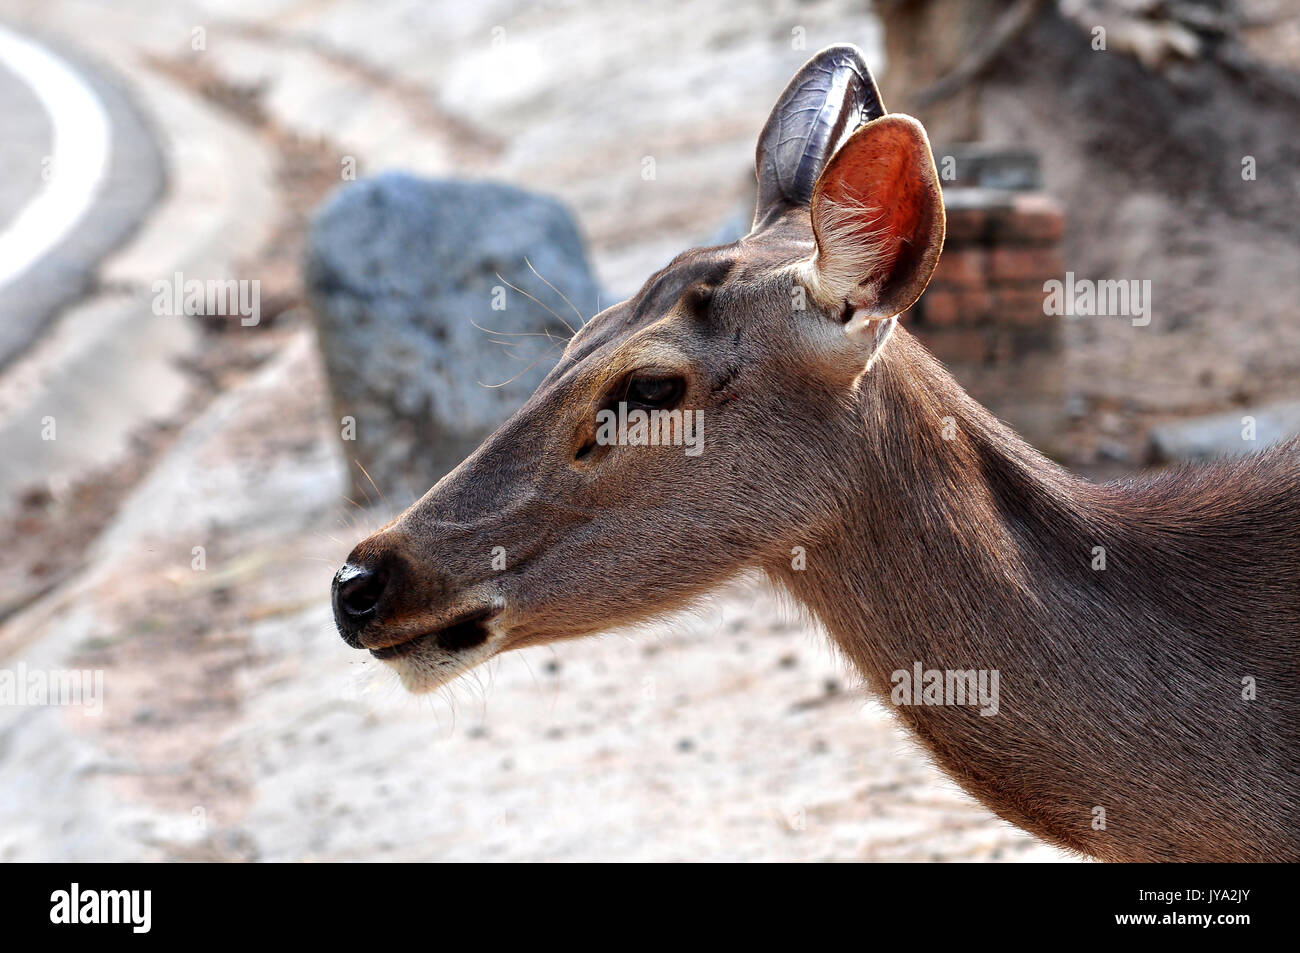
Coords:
687,434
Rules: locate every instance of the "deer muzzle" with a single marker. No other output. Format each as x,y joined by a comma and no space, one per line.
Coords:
381,604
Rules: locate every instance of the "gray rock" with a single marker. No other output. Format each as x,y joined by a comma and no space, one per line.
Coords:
398,271
1225,435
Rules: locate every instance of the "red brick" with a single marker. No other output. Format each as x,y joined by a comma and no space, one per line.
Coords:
1020,305
1025,264
962,268
1033,218
965,225
945,307
974,304
939,307
957,345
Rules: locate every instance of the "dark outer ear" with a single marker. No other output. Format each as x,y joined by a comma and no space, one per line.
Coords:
828,98
878,218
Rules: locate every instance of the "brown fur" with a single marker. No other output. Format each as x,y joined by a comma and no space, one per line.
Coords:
1121,688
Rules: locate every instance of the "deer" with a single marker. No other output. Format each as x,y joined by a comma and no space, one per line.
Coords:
1146,710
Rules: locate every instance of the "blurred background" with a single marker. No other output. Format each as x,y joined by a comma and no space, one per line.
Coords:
259,261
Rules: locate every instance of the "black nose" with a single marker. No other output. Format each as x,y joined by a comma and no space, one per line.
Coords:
358,592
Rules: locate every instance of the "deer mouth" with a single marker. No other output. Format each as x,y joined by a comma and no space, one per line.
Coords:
466,632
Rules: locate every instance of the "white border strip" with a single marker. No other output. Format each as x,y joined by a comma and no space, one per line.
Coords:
81,147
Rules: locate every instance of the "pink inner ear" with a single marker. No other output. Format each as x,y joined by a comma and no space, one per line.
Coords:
880,171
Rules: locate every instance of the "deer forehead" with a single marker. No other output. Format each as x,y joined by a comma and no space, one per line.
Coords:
698,306
657,346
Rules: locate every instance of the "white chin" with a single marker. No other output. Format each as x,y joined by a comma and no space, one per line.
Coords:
425,670
415,678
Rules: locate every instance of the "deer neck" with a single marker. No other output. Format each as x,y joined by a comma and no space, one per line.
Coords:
954,550
943,510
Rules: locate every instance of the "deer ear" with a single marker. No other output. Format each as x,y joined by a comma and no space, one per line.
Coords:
831,95
877,216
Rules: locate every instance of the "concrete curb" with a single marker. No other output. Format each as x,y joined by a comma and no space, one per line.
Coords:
134,182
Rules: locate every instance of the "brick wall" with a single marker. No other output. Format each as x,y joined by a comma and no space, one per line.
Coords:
982,314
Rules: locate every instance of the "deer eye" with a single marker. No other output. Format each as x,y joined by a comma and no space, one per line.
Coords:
654,393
